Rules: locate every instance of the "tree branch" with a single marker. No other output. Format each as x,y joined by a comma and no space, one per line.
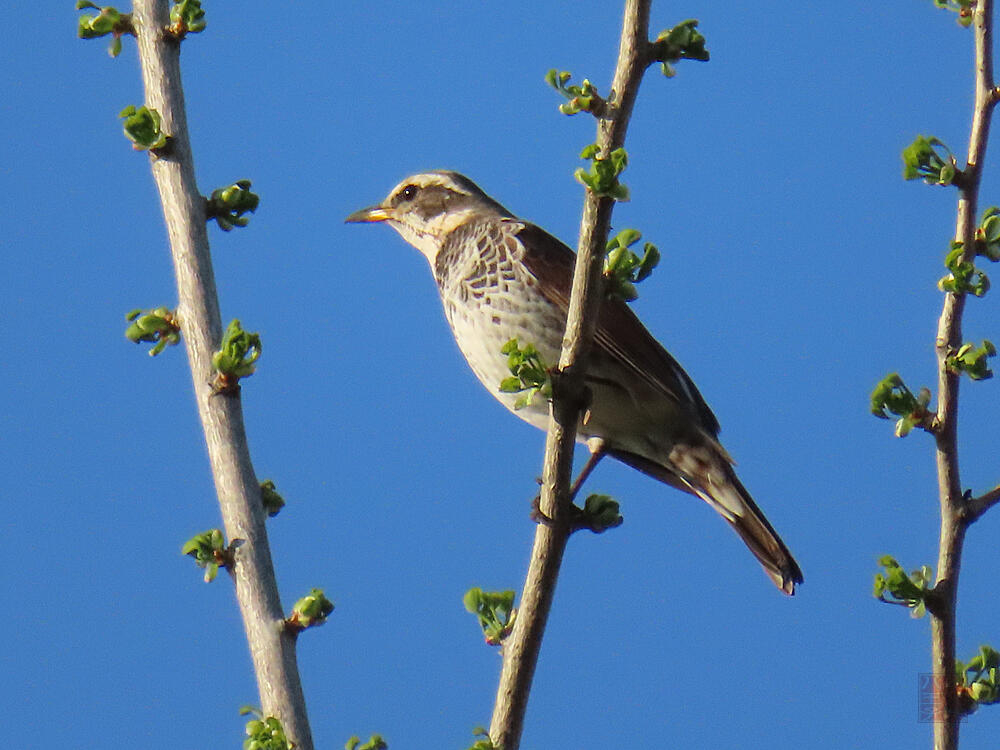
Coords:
976,506
954,516
271,646
521,648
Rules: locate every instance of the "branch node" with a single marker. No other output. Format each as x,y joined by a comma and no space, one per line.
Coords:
936,598
972,508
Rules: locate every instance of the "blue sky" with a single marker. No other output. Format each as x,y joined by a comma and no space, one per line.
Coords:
798,268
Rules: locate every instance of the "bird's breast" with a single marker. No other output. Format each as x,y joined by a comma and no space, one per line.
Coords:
488,307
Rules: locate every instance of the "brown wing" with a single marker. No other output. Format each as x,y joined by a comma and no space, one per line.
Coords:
621,335
619,332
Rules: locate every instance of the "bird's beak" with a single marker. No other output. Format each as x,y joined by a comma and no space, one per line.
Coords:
370,214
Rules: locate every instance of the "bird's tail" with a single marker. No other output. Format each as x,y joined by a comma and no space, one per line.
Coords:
731,499
707,473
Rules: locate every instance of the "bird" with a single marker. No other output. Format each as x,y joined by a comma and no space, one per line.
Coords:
501,278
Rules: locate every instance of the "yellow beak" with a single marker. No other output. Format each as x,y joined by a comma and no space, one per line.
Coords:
370,214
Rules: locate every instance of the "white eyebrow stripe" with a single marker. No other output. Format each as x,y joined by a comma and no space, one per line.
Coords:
431,179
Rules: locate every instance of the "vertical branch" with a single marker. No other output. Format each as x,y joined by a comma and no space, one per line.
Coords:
521,648
954,511
271,646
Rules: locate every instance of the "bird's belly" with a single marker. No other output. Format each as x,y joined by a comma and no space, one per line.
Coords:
481,332
627,414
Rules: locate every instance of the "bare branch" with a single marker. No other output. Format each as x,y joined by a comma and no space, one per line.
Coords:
949,337
272,648
521,648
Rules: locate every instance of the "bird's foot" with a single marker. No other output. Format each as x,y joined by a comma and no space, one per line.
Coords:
537,514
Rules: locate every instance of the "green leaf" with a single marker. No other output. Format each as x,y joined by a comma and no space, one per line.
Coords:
623,269
891,396
208,550
963,8
601,512
187,17
495,611
682,42
157,326
238,353
142,127
529,373
108,21
894,586
602,177
265,733
227,205
929,159
581,98
511,385
977,680
988,235
375,742
272,501
484,742
964,277
311,610
972,360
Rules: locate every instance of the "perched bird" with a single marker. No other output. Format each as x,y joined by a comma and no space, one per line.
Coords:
501,278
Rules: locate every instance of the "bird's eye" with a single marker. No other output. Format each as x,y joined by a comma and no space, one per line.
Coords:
408,193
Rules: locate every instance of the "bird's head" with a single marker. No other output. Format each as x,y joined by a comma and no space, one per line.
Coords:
424,208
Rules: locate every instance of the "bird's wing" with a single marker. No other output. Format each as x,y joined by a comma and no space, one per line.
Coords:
619,333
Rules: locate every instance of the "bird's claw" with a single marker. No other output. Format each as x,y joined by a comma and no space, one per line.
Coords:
537,514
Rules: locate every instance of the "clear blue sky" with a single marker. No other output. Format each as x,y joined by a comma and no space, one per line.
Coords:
798,268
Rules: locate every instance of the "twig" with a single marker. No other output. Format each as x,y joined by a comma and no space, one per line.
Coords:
954,513
976,506
520,650
272,648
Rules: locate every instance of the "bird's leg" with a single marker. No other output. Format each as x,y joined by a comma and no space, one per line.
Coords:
597,452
